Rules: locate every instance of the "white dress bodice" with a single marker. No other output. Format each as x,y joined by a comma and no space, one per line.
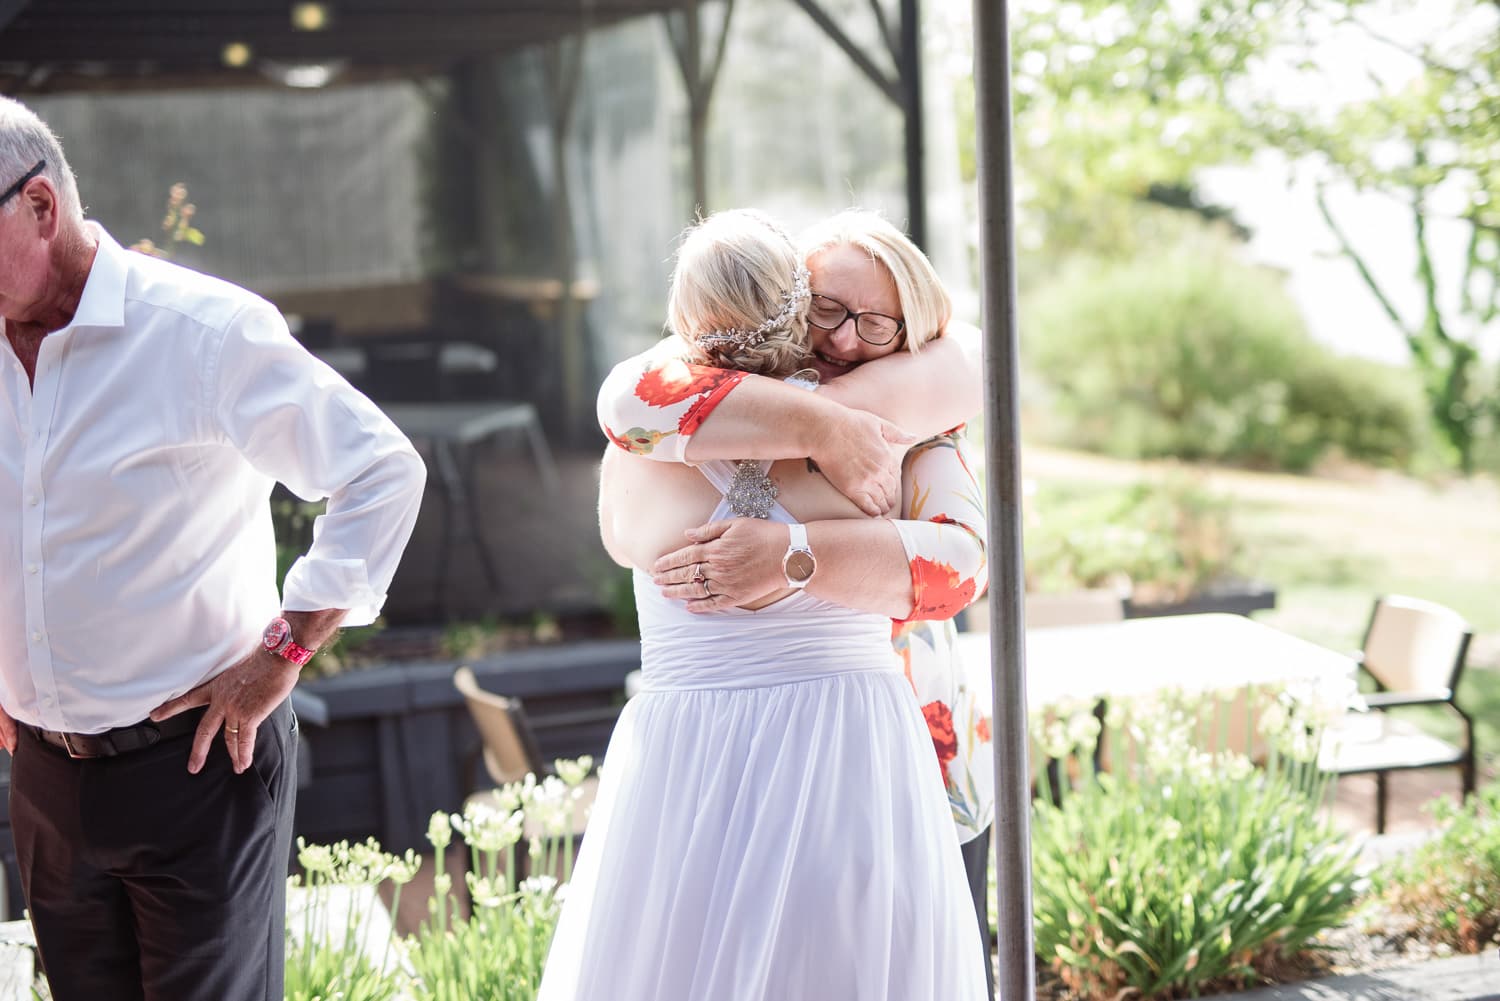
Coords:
795,639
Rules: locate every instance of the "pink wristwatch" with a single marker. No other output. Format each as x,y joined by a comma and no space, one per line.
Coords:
278,639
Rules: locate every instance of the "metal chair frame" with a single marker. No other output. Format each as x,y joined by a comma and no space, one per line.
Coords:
1382,700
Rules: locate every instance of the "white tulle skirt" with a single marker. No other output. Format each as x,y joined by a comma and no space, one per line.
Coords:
784,841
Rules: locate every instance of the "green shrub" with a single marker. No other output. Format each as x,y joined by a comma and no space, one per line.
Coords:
1448,890
1197,355
1158,540
1183,871
1370,412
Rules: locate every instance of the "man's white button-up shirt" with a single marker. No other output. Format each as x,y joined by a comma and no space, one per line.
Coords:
137,558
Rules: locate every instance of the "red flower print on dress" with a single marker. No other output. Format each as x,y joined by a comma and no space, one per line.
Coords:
982,729
675,381
938,591
940,724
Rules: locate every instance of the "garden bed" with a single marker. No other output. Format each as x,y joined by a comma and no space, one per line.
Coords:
1361,963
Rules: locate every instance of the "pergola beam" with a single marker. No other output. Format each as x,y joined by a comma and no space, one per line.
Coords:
909,62
97,43
904,89
886,84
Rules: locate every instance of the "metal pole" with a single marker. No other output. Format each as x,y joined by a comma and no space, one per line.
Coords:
1002,443
910,72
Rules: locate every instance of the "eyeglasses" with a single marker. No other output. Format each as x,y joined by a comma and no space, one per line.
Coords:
15,189
872,328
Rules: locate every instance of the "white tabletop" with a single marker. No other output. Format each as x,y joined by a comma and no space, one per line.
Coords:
1212,651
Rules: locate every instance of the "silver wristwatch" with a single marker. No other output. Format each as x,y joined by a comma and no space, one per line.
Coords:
798,564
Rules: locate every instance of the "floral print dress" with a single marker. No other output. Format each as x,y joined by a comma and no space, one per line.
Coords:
651,407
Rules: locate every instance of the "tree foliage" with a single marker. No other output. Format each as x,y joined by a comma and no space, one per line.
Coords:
1118,101
1431,143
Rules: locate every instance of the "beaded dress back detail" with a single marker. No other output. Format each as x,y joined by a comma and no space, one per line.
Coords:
751,493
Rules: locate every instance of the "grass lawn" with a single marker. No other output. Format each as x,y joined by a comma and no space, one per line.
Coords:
1332,544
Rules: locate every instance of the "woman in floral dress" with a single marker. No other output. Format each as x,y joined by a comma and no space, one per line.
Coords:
658,407
767,826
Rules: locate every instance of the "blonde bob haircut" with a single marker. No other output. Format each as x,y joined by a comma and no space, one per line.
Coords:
925,306
737,271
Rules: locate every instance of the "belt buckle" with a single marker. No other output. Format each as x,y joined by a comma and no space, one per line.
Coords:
74,753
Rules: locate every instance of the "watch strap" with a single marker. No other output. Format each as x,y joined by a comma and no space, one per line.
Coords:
291,651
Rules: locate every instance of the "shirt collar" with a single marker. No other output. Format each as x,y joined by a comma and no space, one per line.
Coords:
103,301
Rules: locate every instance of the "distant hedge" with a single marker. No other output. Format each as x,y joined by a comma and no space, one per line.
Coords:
1194,354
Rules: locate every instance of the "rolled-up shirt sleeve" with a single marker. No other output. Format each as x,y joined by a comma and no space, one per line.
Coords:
296,420
943,528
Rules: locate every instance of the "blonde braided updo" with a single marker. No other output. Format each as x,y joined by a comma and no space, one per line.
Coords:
740,295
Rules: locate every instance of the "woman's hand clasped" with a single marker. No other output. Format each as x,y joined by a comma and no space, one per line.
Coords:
861,455
730,562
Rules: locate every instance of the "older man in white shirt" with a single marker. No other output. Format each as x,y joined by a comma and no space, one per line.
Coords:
145,658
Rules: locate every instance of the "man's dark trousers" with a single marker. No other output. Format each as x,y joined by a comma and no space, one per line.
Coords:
976,853
146,883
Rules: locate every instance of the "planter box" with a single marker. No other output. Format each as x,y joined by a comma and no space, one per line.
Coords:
399,744
1237,599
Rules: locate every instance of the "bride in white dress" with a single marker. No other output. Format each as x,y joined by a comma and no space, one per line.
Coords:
768,825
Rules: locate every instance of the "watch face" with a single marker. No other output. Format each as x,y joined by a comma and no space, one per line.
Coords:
800,565
276,633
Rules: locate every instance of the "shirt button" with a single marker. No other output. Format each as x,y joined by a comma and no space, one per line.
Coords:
31,568
36,636
31,500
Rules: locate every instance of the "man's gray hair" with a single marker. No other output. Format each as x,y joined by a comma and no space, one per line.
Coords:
24,140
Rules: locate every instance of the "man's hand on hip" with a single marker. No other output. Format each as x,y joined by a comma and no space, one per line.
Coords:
238,700
7,732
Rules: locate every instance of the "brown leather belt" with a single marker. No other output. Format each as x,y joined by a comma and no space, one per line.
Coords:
122,739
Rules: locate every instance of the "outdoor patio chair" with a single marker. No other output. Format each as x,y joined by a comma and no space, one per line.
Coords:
510,749
1073,608
1415,652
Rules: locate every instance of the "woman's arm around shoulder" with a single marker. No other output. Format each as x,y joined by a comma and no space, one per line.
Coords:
658,406
927,392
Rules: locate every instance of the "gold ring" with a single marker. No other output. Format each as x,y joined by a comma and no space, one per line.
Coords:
698,572
231,729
